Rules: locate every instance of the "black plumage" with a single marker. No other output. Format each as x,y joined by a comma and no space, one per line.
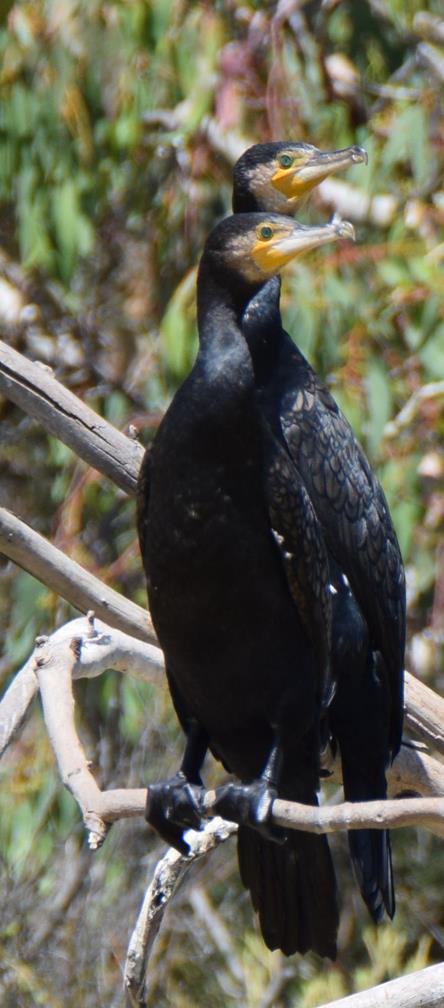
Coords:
237,576
367,573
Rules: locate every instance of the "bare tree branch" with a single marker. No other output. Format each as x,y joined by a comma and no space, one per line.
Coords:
16,702
35,554
32,387
414,772
424,712
67,656
431,57
426,812
167,877
424,989
429,27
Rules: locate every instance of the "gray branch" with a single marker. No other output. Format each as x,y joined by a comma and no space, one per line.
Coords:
32,387
424,989
52,567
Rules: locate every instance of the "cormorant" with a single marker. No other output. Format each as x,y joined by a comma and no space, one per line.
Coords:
367,573
238,587
282,175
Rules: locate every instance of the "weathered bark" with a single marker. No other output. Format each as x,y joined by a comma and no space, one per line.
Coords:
32,387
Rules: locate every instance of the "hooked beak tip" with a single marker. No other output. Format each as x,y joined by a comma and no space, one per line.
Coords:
343,228
359,155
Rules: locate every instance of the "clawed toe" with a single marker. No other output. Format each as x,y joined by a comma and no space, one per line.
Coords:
249,805
174,806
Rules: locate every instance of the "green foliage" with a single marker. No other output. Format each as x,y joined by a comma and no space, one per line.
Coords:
110,179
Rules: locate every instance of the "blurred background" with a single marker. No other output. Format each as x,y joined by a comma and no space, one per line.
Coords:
119,126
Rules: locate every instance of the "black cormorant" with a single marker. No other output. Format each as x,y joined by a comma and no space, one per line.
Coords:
282,175
238,587
366,567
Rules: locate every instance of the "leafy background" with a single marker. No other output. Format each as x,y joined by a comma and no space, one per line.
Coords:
119,124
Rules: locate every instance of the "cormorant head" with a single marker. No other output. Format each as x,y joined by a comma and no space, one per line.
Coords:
278,176
255,246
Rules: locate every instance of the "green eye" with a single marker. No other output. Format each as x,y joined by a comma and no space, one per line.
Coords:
266,232
285,160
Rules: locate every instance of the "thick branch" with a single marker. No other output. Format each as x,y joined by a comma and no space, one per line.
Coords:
389,814
16,702
414,772
66,577
33,388
426,812
424,989
424,712
69,656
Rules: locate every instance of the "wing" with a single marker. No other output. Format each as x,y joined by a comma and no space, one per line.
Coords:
299,539
352,510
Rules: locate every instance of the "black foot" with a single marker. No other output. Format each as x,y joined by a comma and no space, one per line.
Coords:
174,806
250,805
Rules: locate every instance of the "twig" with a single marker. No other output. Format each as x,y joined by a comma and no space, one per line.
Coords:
167,877
276,985
35,554
424,989
74,872
434,390
430,57
429,27
218,930
32,387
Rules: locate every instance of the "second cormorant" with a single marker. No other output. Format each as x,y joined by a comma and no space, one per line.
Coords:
367,573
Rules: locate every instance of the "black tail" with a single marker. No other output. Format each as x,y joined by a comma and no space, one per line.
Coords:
364,758
372,862
360,722
293,889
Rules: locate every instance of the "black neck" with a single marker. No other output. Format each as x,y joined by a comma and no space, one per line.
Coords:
244,201
222,297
